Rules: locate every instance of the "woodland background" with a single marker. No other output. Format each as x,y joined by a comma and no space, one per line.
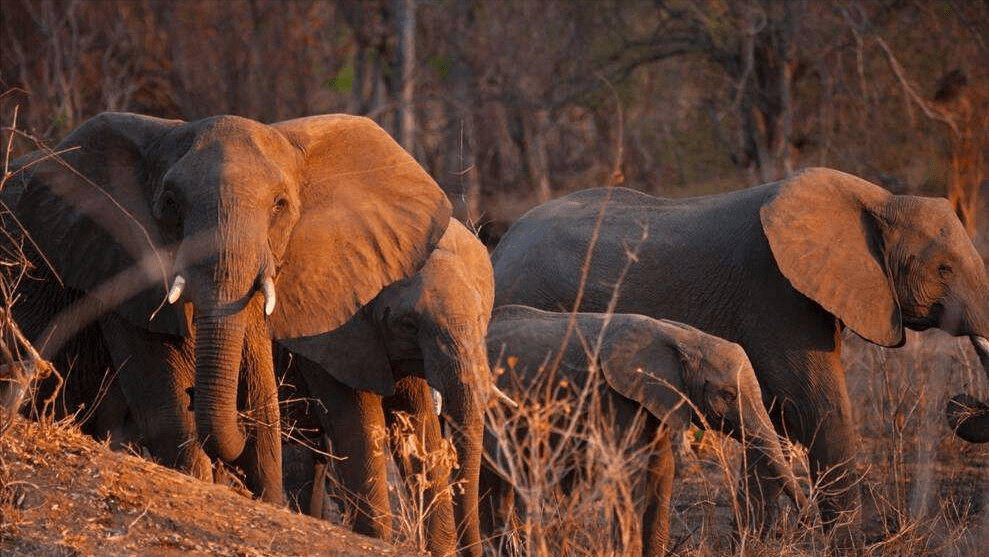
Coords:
508,103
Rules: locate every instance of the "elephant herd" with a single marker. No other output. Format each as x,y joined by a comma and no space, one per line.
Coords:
173,253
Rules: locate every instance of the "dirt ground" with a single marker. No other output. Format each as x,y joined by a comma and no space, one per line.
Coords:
63,494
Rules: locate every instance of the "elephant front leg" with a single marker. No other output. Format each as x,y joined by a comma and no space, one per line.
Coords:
354,423
262,455
658,490
819,416
427,459
155,372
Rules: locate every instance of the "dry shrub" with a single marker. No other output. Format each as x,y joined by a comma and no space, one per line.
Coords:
924,492
572,470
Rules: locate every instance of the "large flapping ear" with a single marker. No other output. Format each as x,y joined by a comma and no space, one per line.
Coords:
370,216
353,354
87,206
648,370
824,235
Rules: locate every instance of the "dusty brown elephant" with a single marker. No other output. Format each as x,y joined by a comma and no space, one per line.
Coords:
223,217
780,269
672,371
425,332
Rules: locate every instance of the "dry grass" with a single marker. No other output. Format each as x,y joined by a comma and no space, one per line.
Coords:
924,491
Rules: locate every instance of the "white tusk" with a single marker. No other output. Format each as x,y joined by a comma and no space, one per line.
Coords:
178,285
504,398
268,289
437,401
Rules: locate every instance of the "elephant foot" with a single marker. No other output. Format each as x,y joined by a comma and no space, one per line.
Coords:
968,417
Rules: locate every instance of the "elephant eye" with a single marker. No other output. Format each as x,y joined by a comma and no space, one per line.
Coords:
168,202
280,204
408,324
729,394
944,270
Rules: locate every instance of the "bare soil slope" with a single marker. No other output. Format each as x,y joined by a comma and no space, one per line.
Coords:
64,494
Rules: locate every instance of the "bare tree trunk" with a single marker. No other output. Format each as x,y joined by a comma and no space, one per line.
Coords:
405,118
462,136
534,127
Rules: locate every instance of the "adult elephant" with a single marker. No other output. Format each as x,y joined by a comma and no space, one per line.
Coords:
318,213
672,371
780,269
425,332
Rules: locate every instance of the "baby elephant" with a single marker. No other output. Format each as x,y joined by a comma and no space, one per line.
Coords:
645,364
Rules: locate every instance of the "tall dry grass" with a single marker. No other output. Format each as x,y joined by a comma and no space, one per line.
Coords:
924,492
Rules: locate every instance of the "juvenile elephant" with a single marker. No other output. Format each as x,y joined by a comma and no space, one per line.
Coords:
425,331
780,269
227,215
645,364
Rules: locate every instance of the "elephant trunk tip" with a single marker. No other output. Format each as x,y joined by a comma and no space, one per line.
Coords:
224,448
968,417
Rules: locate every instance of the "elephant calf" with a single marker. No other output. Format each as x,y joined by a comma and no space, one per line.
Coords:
646,364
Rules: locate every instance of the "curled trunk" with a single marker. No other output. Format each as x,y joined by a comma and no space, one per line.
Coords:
968,416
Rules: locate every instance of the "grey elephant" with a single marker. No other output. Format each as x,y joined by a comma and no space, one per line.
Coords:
780,269
425,332
222,217
671,370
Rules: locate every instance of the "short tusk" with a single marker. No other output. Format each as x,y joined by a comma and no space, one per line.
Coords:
504,398
268,289
437,401
178,285
981,345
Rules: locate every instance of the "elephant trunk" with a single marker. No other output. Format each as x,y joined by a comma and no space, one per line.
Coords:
219,347
968,416
763,438
460,368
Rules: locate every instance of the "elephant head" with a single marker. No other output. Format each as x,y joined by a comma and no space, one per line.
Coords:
674,361
317,214
432,325
880,262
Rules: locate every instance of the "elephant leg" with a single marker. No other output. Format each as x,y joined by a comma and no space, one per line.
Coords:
658,490
303,457
412,396
112,419
819,416
262,456
317,495
497,501
832,455
154,372
299,476
355,424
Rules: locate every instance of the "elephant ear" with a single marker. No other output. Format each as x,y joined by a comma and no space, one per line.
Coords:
370,216
648,369
353,354
823,231
86,205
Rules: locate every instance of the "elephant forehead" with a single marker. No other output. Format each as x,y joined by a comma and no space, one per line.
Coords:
250,163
